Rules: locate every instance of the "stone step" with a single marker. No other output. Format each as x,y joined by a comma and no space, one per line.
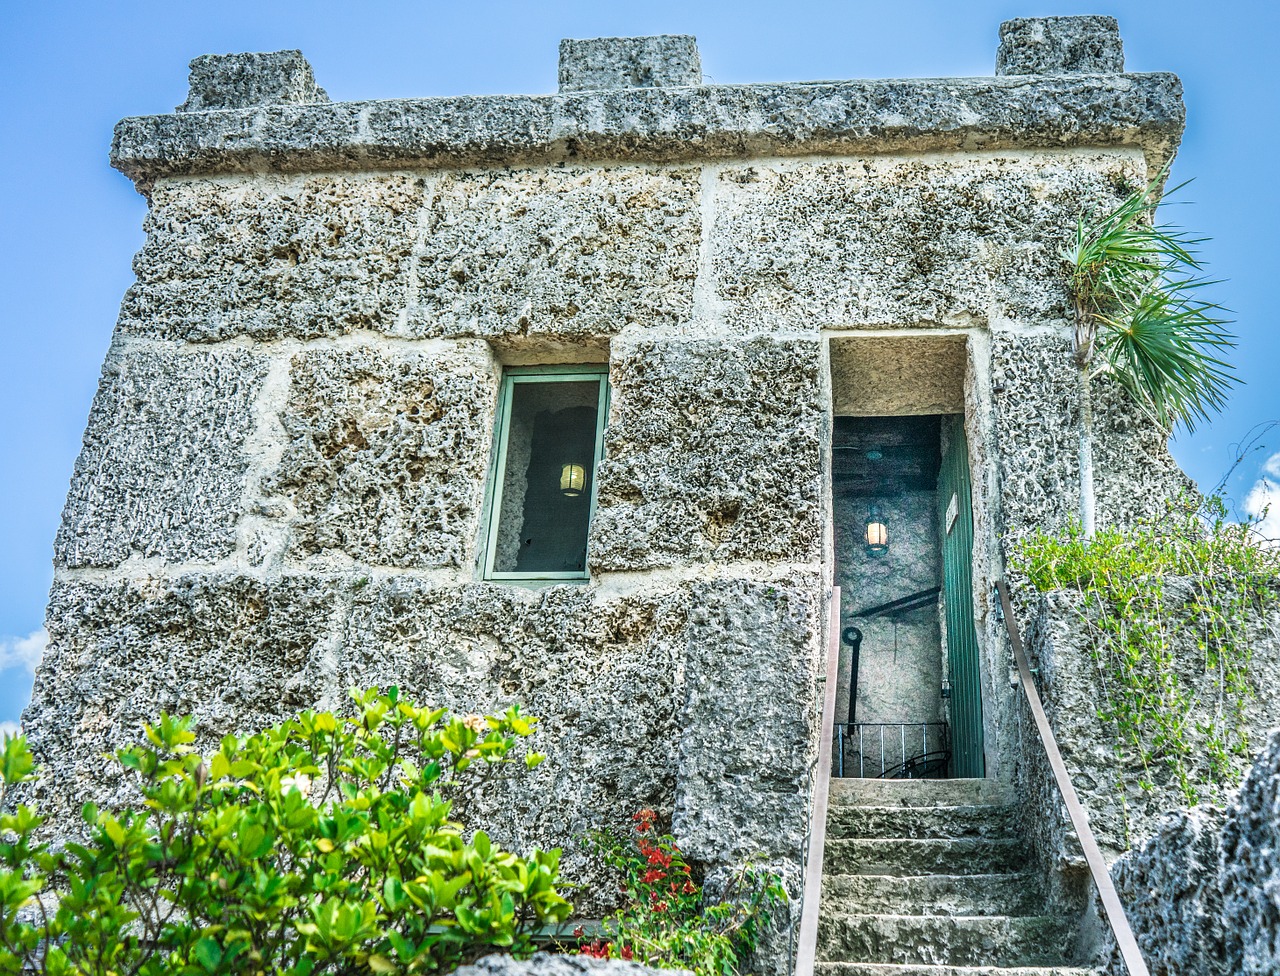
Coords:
932,894
1037,940
849,791
896,856
893,969
970,820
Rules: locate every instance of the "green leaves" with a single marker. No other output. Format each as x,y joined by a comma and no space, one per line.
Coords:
1139,315
1168,608
328,843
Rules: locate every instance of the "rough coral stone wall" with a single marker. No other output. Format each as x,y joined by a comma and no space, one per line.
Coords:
1203,893
1073,687
283,480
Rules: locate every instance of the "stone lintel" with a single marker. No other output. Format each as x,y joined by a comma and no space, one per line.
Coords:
1060,46
238,81
665,125
597,63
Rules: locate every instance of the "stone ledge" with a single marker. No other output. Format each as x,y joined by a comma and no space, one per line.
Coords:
665,124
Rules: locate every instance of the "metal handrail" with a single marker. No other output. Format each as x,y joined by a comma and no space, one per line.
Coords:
1114,911
807,947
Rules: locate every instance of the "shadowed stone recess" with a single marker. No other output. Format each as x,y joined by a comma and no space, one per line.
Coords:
566,255
662,61
165,453
237,653
387,453
666,124
603,672
270,258
713,452
1060,46
904,242
226,81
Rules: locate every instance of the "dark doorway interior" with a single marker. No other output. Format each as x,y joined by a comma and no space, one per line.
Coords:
898,592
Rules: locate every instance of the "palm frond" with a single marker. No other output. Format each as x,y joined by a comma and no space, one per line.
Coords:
1135,287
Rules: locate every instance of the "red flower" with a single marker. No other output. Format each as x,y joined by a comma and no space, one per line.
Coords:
626,952
652,875
660,906
657,857
689,888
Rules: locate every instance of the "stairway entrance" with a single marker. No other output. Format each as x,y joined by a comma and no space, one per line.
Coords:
927,878
909,703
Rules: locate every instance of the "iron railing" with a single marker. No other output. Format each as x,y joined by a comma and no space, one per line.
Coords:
902,750
1112,908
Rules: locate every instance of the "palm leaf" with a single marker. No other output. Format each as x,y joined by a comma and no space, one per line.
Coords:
1137,304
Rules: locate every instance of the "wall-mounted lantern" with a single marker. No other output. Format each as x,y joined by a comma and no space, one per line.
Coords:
573,479
877,533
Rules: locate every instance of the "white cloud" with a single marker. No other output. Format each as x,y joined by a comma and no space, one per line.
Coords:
23,651
9,728
1263,500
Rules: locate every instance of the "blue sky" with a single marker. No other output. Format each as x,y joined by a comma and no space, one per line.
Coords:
69,71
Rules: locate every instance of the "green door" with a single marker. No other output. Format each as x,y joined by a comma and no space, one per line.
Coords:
955,513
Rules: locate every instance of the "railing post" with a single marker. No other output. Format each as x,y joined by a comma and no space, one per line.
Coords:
1112,908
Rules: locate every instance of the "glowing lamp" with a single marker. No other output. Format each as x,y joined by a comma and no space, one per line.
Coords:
573,480
877,533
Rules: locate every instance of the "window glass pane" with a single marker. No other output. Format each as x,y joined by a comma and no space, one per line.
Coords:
548,476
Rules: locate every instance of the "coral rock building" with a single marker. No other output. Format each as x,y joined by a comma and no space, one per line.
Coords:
586,401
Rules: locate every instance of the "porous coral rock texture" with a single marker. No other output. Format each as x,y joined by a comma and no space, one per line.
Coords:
304,257
1251,868
386,453
713,453
160,474
570,255
557,964
236,652
883,240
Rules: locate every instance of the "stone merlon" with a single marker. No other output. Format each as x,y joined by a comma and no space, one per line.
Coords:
1080,98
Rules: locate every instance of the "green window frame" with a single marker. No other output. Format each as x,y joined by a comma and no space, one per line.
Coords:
495,519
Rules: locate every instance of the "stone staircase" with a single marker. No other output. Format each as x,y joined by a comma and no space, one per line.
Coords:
926,878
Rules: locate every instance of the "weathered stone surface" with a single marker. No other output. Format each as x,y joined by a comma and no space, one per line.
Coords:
570,255
267,258
1060,46
662,61
1170,890
548,964
1036,387
1251,868
713,452
223,81
1134,475
1074,689
165,453
708,122
604,674
387,453
748,719
922,241
238,653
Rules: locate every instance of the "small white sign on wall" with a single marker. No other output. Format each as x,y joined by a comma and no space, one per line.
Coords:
953,509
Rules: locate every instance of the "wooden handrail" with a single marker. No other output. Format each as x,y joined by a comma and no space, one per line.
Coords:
1114,911
807,947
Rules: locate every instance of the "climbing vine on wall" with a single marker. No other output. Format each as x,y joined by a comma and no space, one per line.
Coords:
1192,581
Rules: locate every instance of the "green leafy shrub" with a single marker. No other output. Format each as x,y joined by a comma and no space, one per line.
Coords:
328,844
1192,578
667,919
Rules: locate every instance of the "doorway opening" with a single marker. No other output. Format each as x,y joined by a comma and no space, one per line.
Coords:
909,701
